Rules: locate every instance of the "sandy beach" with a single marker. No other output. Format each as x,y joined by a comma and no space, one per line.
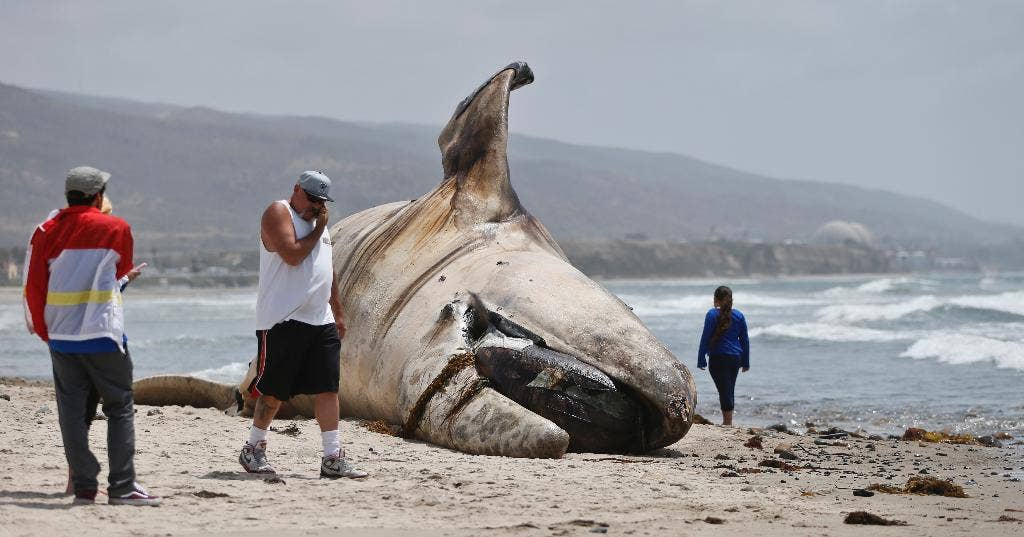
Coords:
709,482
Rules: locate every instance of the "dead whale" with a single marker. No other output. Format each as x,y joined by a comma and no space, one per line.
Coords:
469,327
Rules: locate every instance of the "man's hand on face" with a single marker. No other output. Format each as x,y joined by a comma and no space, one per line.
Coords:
321,219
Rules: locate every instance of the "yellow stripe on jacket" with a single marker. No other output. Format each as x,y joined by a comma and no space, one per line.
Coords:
75,298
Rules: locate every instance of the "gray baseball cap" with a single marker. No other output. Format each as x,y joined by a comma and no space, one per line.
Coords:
86,179
316,184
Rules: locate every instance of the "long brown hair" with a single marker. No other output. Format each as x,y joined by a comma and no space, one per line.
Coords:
723,297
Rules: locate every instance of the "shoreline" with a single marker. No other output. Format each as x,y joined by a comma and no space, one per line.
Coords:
709,482
887,433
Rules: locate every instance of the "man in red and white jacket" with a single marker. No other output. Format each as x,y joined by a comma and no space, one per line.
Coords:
73,298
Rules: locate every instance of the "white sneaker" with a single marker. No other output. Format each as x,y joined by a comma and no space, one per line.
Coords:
336,466
254,459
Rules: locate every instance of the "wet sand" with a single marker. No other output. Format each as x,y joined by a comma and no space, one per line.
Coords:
708,483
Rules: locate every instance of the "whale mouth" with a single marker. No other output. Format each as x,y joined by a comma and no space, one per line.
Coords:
599,414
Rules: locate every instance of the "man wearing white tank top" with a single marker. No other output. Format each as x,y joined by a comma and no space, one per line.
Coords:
298,323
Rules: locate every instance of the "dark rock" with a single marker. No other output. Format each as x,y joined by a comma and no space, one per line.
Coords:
863,493
784,452
833,432
754,442
989,441
714,520
5,397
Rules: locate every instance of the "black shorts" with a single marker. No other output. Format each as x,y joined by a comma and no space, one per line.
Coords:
296,358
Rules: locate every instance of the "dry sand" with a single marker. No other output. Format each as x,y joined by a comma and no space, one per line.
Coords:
417,489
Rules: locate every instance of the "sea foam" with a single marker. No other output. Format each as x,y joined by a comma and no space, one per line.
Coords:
882,286
829,332
233,372
967,349
1011,302
699,304
876,311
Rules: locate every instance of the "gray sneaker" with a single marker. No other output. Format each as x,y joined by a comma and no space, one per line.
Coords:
254,459
337,466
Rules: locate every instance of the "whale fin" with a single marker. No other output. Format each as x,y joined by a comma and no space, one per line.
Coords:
474,150
163,390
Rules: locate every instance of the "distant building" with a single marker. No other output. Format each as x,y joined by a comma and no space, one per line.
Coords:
843,232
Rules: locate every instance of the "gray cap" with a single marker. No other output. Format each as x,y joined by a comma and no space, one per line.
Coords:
316,184
86,179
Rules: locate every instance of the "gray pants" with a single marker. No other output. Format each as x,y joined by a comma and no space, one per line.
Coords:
109,373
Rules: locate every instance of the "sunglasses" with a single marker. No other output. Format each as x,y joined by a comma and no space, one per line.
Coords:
313,199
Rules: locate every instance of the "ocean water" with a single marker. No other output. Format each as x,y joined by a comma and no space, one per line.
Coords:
879,353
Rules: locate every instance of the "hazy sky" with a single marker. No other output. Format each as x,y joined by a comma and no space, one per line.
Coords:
925,98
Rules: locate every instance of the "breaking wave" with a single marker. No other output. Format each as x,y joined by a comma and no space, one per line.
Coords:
883,286
231,373
700,304
968,348
828,332
1009,303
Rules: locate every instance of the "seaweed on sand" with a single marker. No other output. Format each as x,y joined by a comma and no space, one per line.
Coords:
923,435
923,486
864,517
382,427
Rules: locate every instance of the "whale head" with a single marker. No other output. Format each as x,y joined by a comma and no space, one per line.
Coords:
544,334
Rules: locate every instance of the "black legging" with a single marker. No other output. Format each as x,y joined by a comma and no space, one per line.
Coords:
724,370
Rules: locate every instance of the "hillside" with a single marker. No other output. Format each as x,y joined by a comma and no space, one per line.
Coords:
198,178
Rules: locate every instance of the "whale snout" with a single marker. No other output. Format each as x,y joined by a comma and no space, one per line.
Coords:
523,76
600,413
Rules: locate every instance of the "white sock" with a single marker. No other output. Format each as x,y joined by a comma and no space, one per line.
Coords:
256,435
332,446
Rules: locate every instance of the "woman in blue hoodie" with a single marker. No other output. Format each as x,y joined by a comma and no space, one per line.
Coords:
725,341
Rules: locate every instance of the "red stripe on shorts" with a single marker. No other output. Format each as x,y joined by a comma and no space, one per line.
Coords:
254,391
